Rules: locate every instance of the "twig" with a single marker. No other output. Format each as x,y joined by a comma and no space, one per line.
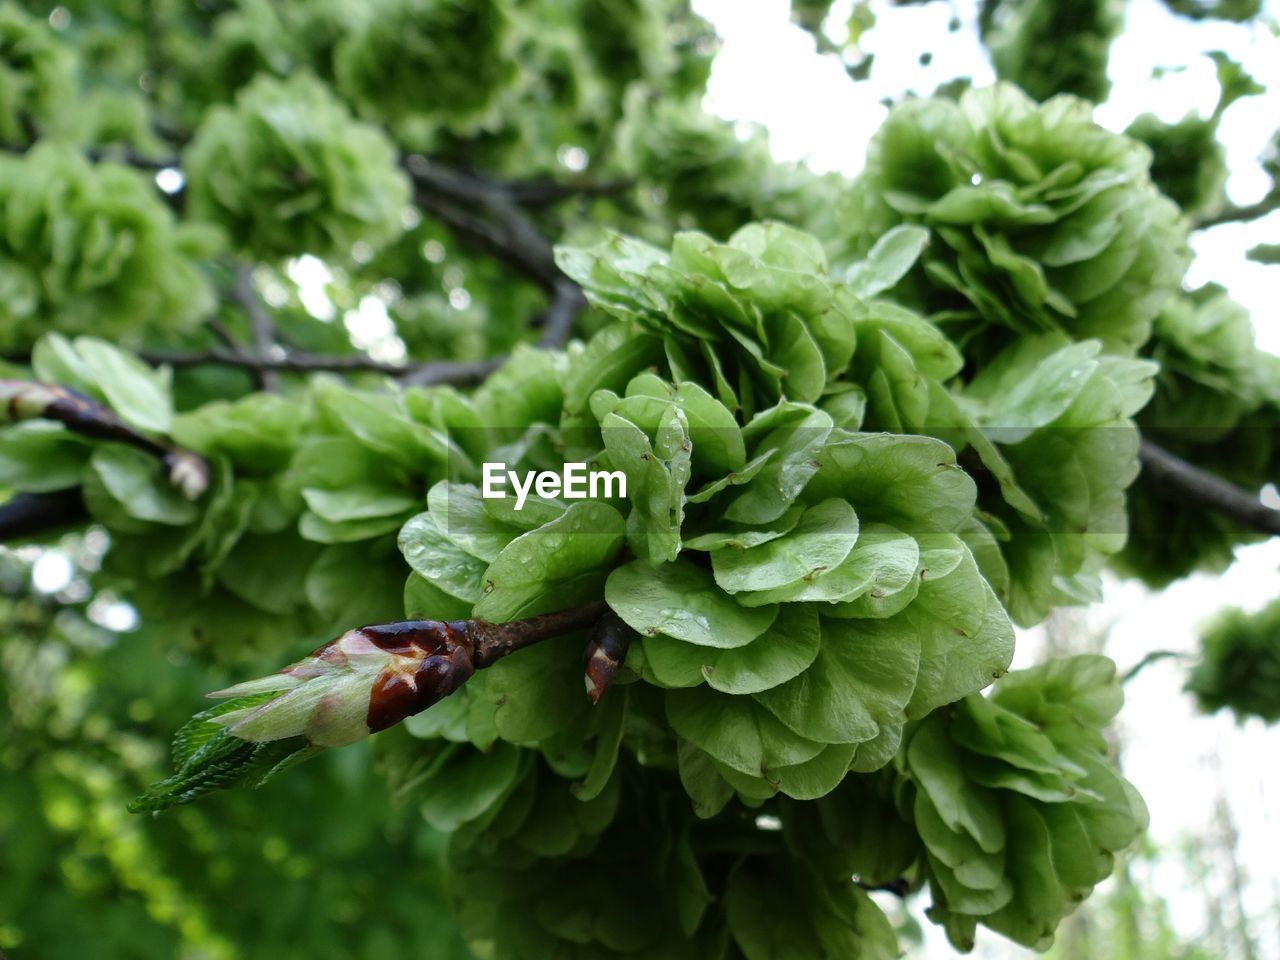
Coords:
500,226
260,322
545,191
1153,657
411,374
221,332
567,301
1241,214
1201,488
455,373
29,514
493,641
32,400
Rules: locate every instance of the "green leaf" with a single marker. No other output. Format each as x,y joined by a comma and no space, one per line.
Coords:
208,759
358,503
744,537
381,422
716,436
795,435
783,651
423,600
461,510
356,584
908,482
611,358
737,731
469,784
558,565
817,777
681,600
759,928
608,741
820,542
39,456
708,791
440,560
138,393
962,807
136,481
883,560
538,691
965,634
888,260
269,571
656,476
862,678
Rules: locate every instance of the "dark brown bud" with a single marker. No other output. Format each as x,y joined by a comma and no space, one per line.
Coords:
607,647
430,660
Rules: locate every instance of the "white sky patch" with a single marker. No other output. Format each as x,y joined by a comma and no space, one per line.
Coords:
767,72
372,330
170,180
313,277
112,614
52,572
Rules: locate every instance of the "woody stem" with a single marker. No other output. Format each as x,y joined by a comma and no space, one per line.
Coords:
492,641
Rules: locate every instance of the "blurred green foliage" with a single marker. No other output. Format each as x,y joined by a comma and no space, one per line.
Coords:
318,865
1239,667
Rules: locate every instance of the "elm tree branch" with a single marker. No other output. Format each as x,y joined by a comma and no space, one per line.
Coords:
260,322
485,213
1193,485
1155,656
1242,214
567,301
546,191
34,514
426,373
32,400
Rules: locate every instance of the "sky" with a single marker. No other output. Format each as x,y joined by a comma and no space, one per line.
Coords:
1181,761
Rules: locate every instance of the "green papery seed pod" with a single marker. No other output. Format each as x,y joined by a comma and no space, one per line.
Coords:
1048,222
287,170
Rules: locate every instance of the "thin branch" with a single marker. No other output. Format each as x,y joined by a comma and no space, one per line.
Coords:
260,322
493,641
1155,656
567,302
458,374
427,373
546,191
1201,488
30,514
1242,214
221,332
33,400
484,212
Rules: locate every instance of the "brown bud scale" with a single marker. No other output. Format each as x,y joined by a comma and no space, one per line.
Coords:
433,658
